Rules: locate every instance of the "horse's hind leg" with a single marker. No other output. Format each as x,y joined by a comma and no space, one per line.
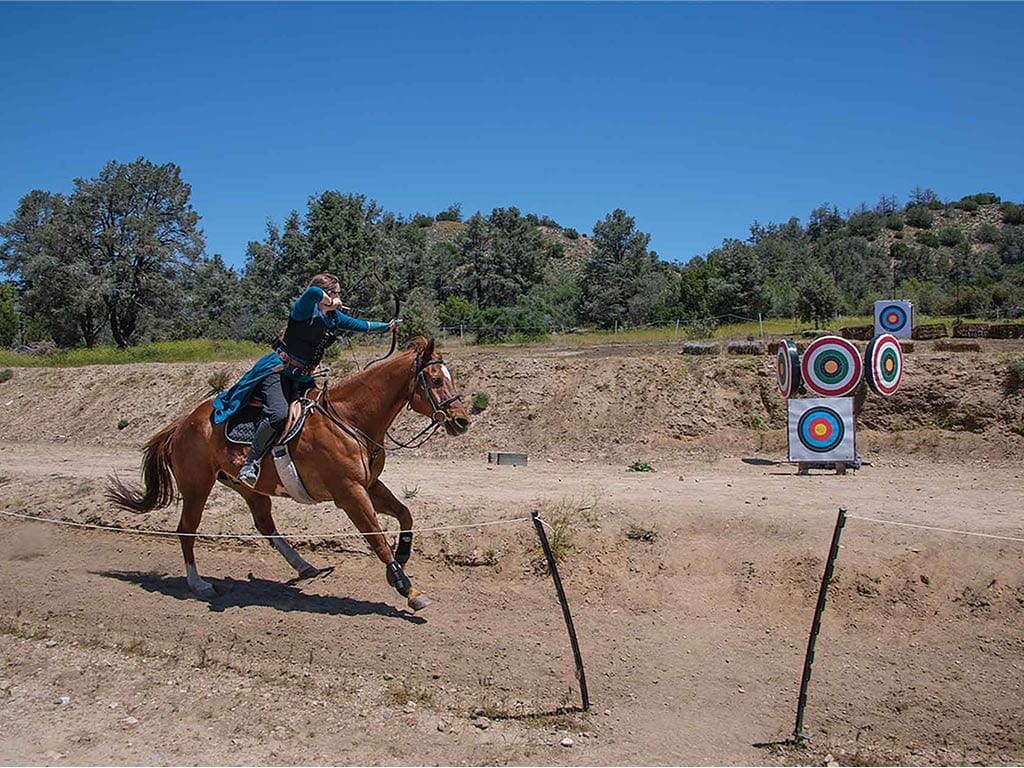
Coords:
385,503
193,500
259,505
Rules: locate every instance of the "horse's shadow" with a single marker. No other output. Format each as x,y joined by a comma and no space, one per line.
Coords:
233,593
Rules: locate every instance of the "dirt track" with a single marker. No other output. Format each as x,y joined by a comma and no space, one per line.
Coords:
693,643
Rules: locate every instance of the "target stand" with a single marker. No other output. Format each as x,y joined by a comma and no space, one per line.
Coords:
821,434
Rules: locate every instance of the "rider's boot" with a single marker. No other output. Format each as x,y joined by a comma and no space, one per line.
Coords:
249,474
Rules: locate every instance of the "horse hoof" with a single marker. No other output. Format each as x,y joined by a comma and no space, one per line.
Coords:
205,592
419,602
313,572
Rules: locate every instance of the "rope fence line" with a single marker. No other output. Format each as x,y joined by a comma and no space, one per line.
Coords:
332,535
433,529
936,528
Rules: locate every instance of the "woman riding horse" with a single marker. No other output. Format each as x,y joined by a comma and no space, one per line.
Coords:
338,455
281,376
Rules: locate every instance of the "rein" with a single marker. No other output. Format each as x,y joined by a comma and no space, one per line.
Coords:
426,433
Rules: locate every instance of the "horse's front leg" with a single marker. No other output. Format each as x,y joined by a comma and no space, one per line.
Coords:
355,500
385,503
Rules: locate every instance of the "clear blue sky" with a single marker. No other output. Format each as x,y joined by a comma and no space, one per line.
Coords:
697,119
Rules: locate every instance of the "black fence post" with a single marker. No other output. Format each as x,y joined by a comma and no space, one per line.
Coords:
565,608
798,732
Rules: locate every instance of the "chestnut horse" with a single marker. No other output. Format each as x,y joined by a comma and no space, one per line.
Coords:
339,455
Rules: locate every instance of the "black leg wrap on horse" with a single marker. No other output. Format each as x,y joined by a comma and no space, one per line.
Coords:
398,579
404,548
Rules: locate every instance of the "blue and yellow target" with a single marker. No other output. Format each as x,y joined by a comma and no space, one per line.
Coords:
821,429
894,317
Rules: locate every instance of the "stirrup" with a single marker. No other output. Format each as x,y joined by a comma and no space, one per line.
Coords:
249,474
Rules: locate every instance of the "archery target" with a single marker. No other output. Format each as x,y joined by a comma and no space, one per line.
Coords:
894,317
883,364
821,429
787,368
831,366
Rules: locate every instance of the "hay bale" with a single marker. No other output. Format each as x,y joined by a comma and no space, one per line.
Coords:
930,331
958,345
699,348
1006,331
37,348
858,332
745,348
970,331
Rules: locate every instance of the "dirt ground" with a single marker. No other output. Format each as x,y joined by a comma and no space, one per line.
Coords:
692,587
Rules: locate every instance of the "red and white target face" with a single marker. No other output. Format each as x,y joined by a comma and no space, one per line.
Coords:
832,366
787,368
884,361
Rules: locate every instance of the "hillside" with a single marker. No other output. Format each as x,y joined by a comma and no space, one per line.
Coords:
610,402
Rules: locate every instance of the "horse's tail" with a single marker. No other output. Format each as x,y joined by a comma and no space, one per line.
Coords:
158,482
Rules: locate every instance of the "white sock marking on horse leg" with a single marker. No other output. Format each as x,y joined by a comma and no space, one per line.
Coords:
288,553
195,583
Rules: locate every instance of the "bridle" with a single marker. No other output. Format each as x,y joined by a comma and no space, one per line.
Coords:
421,380
437,416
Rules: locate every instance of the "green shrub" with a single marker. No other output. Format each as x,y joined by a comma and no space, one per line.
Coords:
985,198
894,221
987,233
967,204
1012,213
480,401
639,533
571,233
422,220
640,466
453,213
919,216
1015,375
218,381
865,224
5,375
927,238
950,236
508,324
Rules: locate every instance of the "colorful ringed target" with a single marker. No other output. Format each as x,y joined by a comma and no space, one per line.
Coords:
821,430
883,364
831,366
894,317
787,368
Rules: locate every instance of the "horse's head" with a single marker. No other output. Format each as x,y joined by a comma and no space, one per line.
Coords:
434,393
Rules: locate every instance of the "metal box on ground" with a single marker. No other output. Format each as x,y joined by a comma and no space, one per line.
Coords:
505,457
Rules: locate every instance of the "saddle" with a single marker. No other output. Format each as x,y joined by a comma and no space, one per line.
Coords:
241,425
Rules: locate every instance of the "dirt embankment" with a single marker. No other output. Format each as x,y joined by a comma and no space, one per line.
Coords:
610,402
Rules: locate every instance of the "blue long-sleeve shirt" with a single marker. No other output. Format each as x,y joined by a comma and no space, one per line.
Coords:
308,325
303,341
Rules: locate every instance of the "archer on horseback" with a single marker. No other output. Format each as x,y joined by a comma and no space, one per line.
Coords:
280,377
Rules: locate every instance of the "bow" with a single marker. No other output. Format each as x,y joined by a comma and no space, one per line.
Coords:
394,331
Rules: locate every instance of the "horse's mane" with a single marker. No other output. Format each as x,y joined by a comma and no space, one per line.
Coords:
358,380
